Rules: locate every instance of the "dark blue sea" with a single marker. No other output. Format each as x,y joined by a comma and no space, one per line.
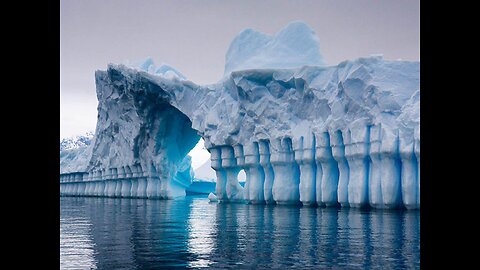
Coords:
190,233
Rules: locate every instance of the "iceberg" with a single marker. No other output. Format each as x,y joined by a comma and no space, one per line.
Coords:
295,45
304,133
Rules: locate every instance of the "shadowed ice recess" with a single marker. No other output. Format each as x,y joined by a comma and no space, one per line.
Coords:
304,133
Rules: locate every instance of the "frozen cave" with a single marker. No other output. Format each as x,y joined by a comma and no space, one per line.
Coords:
304,133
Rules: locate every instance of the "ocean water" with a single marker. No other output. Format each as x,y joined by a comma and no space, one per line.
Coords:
191,233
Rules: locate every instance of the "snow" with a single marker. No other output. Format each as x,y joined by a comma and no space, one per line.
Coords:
77,141
301,131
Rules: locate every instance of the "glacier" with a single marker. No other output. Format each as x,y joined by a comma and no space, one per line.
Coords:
304,133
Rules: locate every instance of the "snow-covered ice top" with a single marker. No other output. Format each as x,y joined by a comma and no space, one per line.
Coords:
296,45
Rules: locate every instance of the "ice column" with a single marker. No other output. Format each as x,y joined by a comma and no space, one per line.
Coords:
90,184
81,187
338,152
229,163
390,169
327,171
75,186
121,174
264,151
102,178
374,182
100,188
62,186
357,147
221,185
65,185
409,170
153,183
142,186
126,185
85,188
94,184
286,181
240,159
304,149
118,184
110,186
133,192
71,185
100,184
87,184
255,174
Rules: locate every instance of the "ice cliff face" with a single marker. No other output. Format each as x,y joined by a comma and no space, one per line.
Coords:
303,133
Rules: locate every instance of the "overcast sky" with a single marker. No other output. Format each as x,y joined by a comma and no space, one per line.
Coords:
193,36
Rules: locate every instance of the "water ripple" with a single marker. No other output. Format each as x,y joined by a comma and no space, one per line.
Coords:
190,233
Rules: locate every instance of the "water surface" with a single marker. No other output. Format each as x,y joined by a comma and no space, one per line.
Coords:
107,233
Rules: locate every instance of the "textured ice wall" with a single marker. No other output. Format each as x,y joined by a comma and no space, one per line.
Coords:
341,135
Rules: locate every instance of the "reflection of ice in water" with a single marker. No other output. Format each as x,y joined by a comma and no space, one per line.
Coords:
76,244
201,233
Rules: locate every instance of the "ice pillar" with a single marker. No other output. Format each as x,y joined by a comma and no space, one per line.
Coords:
286,181
374,182
142,186
338,152
417,156
304,149
133,192
255,174
229,163
110,186
409,170
264,151
327,171
125,191
100,188
153,183
357,147
118,184
240,159
221,184
390,169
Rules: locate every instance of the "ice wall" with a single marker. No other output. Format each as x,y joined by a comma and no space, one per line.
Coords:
343,135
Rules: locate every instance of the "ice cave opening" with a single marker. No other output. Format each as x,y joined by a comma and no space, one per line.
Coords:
199,154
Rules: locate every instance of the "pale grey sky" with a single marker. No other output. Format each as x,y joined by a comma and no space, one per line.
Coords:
193,36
